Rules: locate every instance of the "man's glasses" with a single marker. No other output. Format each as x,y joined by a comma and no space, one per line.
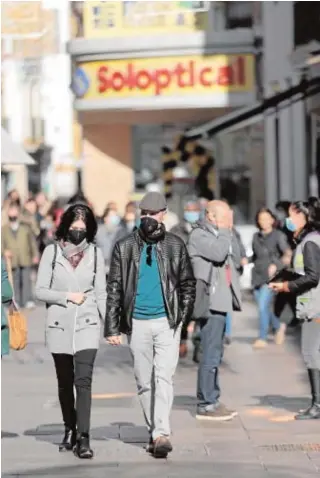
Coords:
149,255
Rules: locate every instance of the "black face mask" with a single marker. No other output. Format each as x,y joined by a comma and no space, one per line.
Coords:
13,218
76,236
148,225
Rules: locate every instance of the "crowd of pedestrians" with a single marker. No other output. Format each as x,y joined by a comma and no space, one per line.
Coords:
150,277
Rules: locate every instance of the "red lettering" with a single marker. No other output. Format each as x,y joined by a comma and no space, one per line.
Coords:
225,76
102,79
131,78
162,79
143,79
117,81
203,76
183,74
191,73
180,71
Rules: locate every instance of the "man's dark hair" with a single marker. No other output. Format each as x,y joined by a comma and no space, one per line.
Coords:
74,213
283,206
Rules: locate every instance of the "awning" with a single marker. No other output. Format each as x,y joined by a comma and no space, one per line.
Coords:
248,115
13,153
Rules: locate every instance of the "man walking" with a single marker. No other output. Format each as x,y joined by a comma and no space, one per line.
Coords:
151,293
19,246
215,256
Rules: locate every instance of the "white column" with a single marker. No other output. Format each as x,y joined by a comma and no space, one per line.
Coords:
270,159
300,171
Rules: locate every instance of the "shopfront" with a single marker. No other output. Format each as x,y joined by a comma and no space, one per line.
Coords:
126,87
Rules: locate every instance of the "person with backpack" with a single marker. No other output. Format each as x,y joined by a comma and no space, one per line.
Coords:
71,281
304,222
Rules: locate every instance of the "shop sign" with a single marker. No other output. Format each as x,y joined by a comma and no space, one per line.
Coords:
171,76
130,18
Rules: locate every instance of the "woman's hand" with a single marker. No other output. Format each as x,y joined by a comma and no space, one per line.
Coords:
272,269
114,340
77,298
277,286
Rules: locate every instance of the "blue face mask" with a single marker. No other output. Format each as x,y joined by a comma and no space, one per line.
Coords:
290,225
115,220
191,216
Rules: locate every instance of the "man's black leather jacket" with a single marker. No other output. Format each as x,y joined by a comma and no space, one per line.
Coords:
178,283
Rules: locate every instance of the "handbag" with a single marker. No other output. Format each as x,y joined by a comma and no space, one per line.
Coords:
17,322
202,302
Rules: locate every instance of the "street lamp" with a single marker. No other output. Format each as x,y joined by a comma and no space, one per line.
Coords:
182,185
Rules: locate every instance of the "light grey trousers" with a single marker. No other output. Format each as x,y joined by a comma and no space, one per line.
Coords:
310,344
155,351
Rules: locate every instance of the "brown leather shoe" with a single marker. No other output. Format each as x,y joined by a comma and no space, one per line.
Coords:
162,446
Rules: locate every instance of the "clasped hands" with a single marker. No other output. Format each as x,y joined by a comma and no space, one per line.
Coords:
114,340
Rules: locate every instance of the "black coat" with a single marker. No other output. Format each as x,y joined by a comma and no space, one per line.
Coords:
178,283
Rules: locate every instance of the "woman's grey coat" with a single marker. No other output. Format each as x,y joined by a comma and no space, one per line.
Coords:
70,327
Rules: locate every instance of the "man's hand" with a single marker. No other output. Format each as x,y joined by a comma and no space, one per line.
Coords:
35,261
272,270
114,340
277,286
77,298
7,254
223,220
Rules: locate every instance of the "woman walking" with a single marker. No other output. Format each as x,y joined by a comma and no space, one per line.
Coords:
304,222
71,280
6,298
271,252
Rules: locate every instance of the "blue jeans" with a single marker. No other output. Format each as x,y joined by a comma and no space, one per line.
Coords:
228,324
212,333
264,297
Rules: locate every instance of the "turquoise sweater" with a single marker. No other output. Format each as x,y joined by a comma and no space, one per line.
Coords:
149,303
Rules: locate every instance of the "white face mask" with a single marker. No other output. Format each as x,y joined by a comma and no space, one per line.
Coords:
14,226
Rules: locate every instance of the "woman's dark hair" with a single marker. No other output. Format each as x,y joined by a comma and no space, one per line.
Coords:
74,213
268,211
311,211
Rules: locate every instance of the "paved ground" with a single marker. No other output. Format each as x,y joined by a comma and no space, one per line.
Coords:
266,387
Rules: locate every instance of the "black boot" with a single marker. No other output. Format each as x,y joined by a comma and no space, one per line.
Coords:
69,440
82,448
313,412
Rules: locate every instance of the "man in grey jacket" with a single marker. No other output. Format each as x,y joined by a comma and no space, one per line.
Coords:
215,256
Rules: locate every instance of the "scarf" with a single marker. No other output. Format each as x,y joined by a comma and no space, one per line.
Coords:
74,253
156,236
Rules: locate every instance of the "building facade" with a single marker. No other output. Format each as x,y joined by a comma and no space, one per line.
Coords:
288,79
143,72
36,101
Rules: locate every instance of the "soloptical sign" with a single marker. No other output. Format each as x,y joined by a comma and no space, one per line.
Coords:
172,76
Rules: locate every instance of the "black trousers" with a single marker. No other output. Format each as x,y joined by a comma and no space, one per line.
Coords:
75,371
285,307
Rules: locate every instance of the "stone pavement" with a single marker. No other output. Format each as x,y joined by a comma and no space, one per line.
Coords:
266,387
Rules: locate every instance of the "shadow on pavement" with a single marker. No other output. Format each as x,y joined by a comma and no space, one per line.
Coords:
5,434
125,432
292,404
165,468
